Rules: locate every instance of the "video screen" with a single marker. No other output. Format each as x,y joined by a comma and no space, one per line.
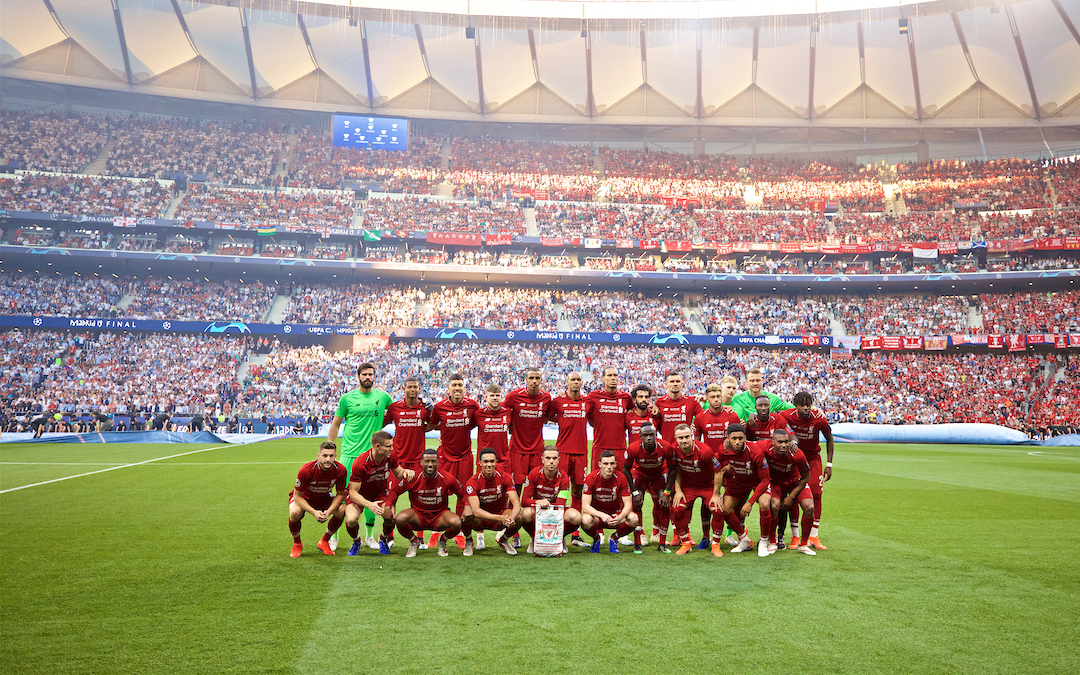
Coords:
363,131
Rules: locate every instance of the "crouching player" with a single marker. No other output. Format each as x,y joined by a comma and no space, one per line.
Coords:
747,473
429,504
312,494
369,488
545,487
788,474
647,467
605,502
493,504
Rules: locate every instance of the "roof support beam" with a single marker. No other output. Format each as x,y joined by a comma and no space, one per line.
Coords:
699,101
753,66
423,51
862,52
247,48
367,62
963,44
56,18
914,70
123,41
1066,20
307,39
590,102
184,26
479,75
1023,60
532,52
813,68
644,58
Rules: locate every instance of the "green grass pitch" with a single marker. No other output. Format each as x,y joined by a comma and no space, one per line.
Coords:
942,559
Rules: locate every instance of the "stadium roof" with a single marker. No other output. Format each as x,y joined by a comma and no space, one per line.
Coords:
848,72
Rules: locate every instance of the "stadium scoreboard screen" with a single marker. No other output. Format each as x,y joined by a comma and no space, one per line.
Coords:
362,131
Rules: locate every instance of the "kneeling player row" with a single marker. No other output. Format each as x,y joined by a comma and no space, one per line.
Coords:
675,477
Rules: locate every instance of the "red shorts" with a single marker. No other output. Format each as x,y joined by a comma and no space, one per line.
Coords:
784,489
620,457
690,494
576,467
462,469
521,464
318,502
482,524
817,477
651,483
740,493
429,520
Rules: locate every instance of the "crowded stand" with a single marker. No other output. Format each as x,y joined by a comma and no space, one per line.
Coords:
663,164
494,308
764,315
902,314
484,153
187,300
314,162
286,248
360,305
270,207
428,256
119,373
83,238
498,186
30,236
51,141
1031,312
80,195
1065,178
1053,406
330,251
415,214
231,153
855,195
1004,184
74,296
623,313
137,242
231,245
555,261
179,243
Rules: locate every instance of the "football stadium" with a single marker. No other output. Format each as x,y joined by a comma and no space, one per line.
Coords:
661,335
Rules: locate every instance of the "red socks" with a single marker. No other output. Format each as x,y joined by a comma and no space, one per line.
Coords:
294,528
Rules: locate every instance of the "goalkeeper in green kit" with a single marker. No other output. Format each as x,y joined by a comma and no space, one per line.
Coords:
362,411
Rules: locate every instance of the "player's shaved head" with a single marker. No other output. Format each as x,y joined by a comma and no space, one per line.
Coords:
430,451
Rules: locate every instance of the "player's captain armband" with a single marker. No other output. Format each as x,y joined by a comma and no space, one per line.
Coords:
564,495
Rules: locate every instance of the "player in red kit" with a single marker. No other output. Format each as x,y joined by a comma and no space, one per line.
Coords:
788,475
493,502
369,487
807,423
429,504
492,426
747,483
675,409
570,411
710,427
695,466
608,418
647,468
606,502
642,411
761,424
453,417
409,417
312,494
528,410
546,486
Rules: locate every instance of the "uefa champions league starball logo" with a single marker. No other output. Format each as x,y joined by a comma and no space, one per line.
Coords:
166,325
37,321
509,335
288,329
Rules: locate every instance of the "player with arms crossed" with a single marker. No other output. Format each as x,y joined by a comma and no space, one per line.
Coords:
369,486
807,422
745,402
363,411
547,486
311,494
694,468
647,468
608,418
570,411
453,417
788,475
409,417
606,502
429,504
747,483
528,408
493,503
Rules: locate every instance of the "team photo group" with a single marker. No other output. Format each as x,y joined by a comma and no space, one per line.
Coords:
725,450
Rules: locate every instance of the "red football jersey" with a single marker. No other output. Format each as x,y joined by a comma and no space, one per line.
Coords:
806,430
607,417
711,427
313,482
634,422
653,463
492,426
756,430
527,417
749,467
790,468
607,494
454,422
696,469
572,416
429,496
539,486
408,421
683,410
491,491
373,477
